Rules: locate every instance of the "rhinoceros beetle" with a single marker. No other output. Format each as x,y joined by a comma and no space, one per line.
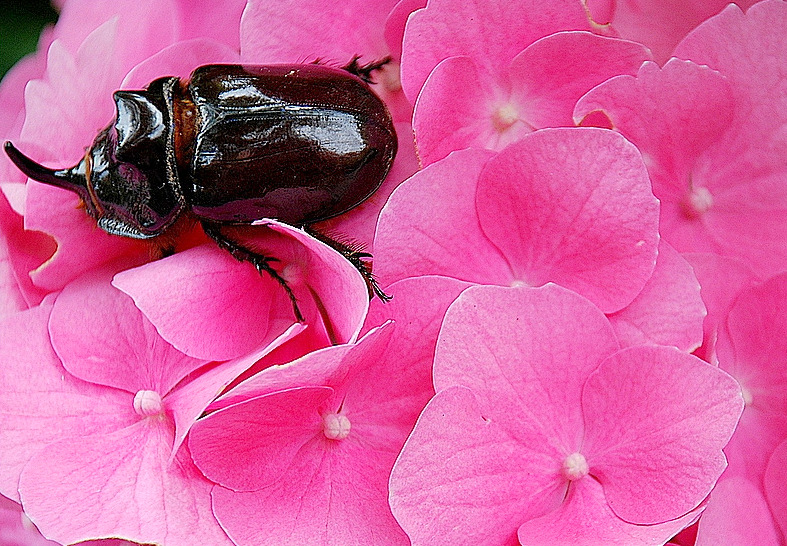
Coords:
232,145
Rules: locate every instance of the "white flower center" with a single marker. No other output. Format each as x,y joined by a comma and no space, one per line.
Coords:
697,202
575,467
335,426
148,403
505,116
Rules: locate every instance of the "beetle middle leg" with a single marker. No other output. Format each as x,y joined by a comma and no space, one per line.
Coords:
355,256
245,254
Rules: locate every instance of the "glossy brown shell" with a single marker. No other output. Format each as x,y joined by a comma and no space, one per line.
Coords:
298,143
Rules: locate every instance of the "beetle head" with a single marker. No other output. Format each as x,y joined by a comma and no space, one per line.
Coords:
128,178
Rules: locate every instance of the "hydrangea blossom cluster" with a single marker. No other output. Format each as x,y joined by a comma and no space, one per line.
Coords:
584,233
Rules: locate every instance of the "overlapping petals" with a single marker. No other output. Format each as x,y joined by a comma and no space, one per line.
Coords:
570,215
571,206
211,306
537,89
710,131
531,410
110,421
326,430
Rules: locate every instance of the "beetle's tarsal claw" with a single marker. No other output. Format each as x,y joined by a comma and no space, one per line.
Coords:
354,254
70,179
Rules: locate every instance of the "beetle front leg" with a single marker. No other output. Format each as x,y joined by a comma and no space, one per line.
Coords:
244,254
355,256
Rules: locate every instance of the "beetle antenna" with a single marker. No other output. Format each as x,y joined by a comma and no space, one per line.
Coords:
70,179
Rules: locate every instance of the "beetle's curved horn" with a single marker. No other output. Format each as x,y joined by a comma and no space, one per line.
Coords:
71,179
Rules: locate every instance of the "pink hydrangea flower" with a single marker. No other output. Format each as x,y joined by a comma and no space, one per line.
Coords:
487,88
560,205
540,427
301,452
711,134
102,421
571,206
494,31
751,347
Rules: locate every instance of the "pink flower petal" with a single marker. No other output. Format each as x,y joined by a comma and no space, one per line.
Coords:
11,298
143,26
327,497
713,146
248,445
206,303
584,519
668,310
492,33
119,485
55,405
328,463
680,103
419,305
574,207
213,19
736,514
520,373
66,108
56,211
179,59
752,347
659,24
420,232
337,288
775,476
302,31
462,478
20,252
468,105
538,89
12,87
550,75
190,400
397,19
721,280
16,529
115,345
750,62
656,417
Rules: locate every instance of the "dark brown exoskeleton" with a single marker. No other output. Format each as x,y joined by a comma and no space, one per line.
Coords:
236,144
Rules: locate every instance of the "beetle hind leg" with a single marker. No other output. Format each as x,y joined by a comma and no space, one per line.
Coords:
355,255
244,254
364,71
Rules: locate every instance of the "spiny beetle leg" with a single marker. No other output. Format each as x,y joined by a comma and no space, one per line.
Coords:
244,254
364,71
355,256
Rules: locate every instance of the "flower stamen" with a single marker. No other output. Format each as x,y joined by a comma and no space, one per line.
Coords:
335,426
575,466
148,403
